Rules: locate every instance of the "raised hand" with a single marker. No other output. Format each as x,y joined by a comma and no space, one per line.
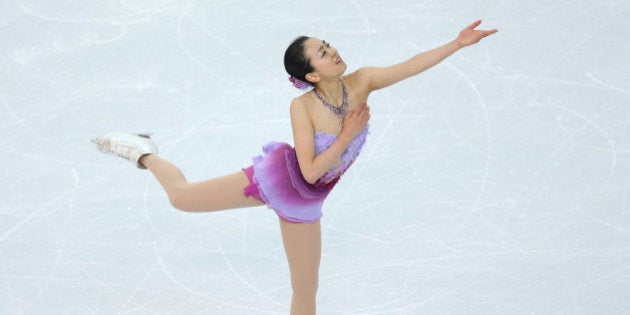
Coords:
470,35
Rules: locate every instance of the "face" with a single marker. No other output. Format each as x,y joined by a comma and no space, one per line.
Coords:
324,58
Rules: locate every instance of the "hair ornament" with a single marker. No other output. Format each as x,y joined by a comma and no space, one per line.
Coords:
299,83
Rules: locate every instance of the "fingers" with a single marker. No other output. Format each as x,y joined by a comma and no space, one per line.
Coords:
361,113
475,24
470,35
353,112
364,110
358,111
490,32
485,32
356,120
361,108
365,113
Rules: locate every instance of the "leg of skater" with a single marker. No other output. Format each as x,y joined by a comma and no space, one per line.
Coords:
302,244
221,193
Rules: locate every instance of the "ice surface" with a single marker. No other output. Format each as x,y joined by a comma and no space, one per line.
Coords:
497,182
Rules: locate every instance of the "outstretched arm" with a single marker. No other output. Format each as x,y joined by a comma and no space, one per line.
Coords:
379,77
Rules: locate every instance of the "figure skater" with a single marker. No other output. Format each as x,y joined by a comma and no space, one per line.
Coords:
330,124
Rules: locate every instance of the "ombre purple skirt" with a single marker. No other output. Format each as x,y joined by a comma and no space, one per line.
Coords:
275,179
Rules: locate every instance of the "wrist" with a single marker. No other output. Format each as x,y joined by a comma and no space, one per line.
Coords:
457,44
345,137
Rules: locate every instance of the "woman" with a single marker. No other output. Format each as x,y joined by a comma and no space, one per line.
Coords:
330,124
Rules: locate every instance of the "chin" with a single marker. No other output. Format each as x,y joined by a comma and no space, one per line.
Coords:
344,68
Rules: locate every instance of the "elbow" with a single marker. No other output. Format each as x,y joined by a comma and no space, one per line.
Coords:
310,177
311,181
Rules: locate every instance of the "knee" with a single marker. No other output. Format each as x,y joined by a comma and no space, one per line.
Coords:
179,200
305,288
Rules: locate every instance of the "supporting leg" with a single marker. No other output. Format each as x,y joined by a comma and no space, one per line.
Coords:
303,246
219,193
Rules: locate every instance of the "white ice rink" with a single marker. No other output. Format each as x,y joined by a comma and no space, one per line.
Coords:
497,182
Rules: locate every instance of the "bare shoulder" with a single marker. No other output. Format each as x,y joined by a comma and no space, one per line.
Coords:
299,105
300,114
358,77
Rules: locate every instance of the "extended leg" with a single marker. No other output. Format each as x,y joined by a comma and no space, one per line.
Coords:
303,246
219,193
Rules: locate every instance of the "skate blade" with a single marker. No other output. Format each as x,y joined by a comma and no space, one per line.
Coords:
145,134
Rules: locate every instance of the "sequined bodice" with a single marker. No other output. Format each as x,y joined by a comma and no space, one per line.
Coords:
325,140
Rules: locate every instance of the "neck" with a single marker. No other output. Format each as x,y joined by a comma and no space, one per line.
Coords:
331,90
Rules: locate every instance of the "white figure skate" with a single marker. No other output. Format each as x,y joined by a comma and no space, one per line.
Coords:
130,147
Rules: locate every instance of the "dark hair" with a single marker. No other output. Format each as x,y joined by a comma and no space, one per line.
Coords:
296,64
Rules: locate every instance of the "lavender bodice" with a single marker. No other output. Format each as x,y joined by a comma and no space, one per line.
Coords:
278,182
324,140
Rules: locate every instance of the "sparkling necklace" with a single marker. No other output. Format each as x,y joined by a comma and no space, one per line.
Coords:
339,111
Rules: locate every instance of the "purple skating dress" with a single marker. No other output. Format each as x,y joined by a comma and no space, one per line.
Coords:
278,182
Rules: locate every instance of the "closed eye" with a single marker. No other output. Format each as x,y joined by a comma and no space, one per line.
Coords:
327,45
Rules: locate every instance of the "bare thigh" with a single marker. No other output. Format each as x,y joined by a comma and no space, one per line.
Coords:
220,193
303,246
